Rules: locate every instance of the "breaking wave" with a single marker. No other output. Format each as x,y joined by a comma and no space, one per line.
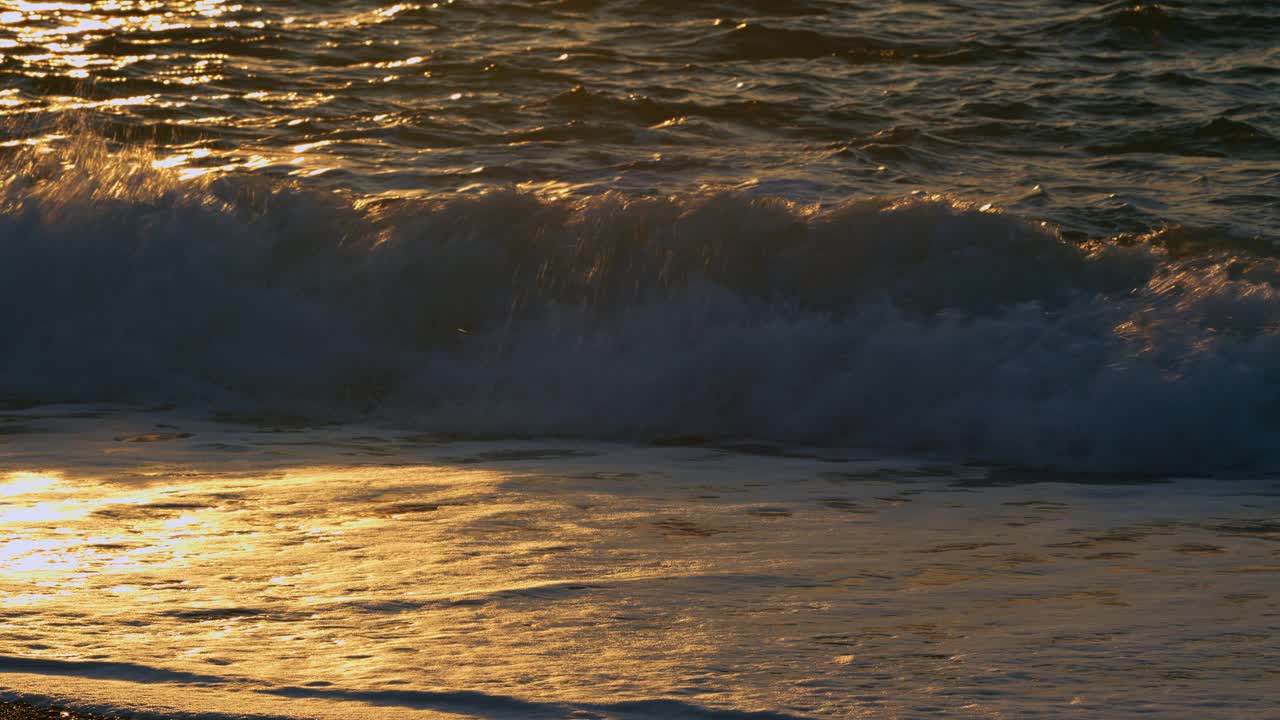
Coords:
916,323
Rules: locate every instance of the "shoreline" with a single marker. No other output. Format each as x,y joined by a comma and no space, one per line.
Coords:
17,710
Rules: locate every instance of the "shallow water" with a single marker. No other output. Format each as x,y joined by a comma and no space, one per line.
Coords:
158,563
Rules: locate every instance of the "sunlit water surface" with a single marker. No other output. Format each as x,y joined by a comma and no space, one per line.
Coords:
1105,117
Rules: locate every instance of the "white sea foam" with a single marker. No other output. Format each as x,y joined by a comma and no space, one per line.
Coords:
917,323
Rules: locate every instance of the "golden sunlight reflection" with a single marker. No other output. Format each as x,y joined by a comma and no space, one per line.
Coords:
22,483
19,556
45,512
109,64
61,533
51,39
444,574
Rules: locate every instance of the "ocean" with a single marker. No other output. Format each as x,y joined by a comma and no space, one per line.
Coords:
607,358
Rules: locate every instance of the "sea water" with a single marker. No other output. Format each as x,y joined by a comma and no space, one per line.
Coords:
896,358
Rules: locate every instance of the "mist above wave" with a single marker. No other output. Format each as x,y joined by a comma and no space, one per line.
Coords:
918,323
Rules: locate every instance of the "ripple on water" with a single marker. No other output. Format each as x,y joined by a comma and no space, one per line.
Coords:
517,90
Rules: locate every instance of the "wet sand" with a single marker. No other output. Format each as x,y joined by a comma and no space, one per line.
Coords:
24,711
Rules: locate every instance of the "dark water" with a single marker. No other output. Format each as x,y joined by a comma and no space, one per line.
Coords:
1037,232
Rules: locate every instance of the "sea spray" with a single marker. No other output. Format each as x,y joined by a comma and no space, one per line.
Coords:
918,322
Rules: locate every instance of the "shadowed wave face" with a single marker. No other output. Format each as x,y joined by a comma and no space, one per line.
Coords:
917,323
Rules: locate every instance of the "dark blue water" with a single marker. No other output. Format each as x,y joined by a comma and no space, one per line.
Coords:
1039,233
